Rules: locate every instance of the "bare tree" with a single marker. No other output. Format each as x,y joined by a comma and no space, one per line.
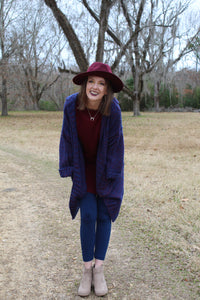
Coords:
7,46
38,52
195,47
156,34
170,38
151,26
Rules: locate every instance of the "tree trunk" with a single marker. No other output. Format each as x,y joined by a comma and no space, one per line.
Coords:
36,105
4,111
103,24
136,108
138,87
156,96
136,105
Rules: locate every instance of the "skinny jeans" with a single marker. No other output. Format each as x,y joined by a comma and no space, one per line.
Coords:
95,227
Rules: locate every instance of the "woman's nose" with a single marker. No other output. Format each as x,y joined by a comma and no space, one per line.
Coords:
95,85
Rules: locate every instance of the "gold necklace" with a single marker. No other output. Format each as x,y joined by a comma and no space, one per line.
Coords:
92,118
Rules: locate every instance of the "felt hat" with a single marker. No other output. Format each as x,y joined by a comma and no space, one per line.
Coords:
101,70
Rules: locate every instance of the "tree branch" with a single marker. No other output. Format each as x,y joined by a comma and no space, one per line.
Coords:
108,30
103,25
187,48
70,34
69,71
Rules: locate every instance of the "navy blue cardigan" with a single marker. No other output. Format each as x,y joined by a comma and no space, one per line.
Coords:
110,158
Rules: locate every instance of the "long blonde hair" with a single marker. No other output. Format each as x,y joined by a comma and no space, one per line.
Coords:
106,100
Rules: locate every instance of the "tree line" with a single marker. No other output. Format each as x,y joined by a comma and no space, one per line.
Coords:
179,92
47,43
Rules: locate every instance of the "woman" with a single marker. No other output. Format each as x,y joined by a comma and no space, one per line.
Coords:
92,153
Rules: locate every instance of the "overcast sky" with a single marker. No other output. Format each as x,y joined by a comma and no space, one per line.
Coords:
196,4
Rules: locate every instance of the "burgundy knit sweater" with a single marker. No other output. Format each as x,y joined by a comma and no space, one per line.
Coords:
89,133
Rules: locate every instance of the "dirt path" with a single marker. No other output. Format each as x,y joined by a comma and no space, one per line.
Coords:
40,251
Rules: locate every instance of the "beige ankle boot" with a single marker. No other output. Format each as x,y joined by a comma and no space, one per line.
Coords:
86,282
100,286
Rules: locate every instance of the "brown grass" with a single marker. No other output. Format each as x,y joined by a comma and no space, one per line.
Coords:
155,245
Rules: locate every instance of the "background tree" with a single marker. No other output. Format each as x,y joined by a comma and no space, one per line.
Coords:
7,46
195,47
152,27
167,63
136,38
156,34
38,52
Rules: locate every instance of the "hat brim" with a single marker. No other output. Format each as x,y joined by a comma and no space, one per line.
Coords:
116,83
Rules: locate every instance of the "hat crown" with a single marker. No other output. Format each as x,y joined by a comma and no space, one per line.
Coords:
99,67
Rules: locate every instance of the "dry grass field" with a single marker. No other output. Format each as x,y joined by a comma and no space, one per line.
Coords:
154,251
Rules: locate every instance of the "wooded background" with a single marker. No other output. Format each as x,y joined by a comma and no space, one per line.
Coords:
146,42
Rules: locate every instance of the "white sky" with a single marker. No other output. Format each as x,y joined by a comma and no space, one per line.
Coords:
196,4
189,61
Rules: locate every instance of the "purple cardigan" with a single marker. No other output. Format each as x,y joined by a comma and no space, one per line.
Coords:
110,158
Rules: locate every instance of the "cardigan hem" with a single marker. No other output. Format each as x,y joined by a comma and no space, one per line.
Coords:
67,172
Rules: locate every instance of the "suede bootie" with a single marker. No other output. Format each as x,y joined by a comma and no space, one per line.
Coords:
86,283
100,286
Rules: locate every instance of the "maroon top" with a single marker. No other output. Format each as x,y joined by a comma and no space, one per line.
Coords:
89,133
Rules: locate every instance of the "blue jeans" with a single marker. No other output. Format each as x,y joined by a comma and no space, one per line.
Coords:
95,227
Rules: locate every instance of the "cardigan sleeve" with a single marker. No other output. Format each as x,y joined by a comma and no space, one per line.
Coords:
115,154
65,147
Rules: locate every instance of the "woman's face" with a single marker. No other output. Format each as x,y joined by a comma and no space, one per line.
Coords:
96,88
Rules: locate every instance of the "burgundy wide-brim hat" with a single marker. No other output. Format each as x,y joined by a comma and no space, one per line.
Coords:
101,70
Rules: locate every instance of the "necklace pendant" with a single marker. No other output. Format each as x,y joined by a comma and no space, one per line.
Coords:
91,118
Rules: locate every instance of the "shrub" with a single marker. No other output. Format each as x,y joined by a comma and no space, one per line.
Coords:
125,101
47,105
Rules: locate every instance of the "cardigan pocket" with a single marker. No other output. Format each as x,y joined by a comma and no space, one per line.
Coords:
105,186
113,175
